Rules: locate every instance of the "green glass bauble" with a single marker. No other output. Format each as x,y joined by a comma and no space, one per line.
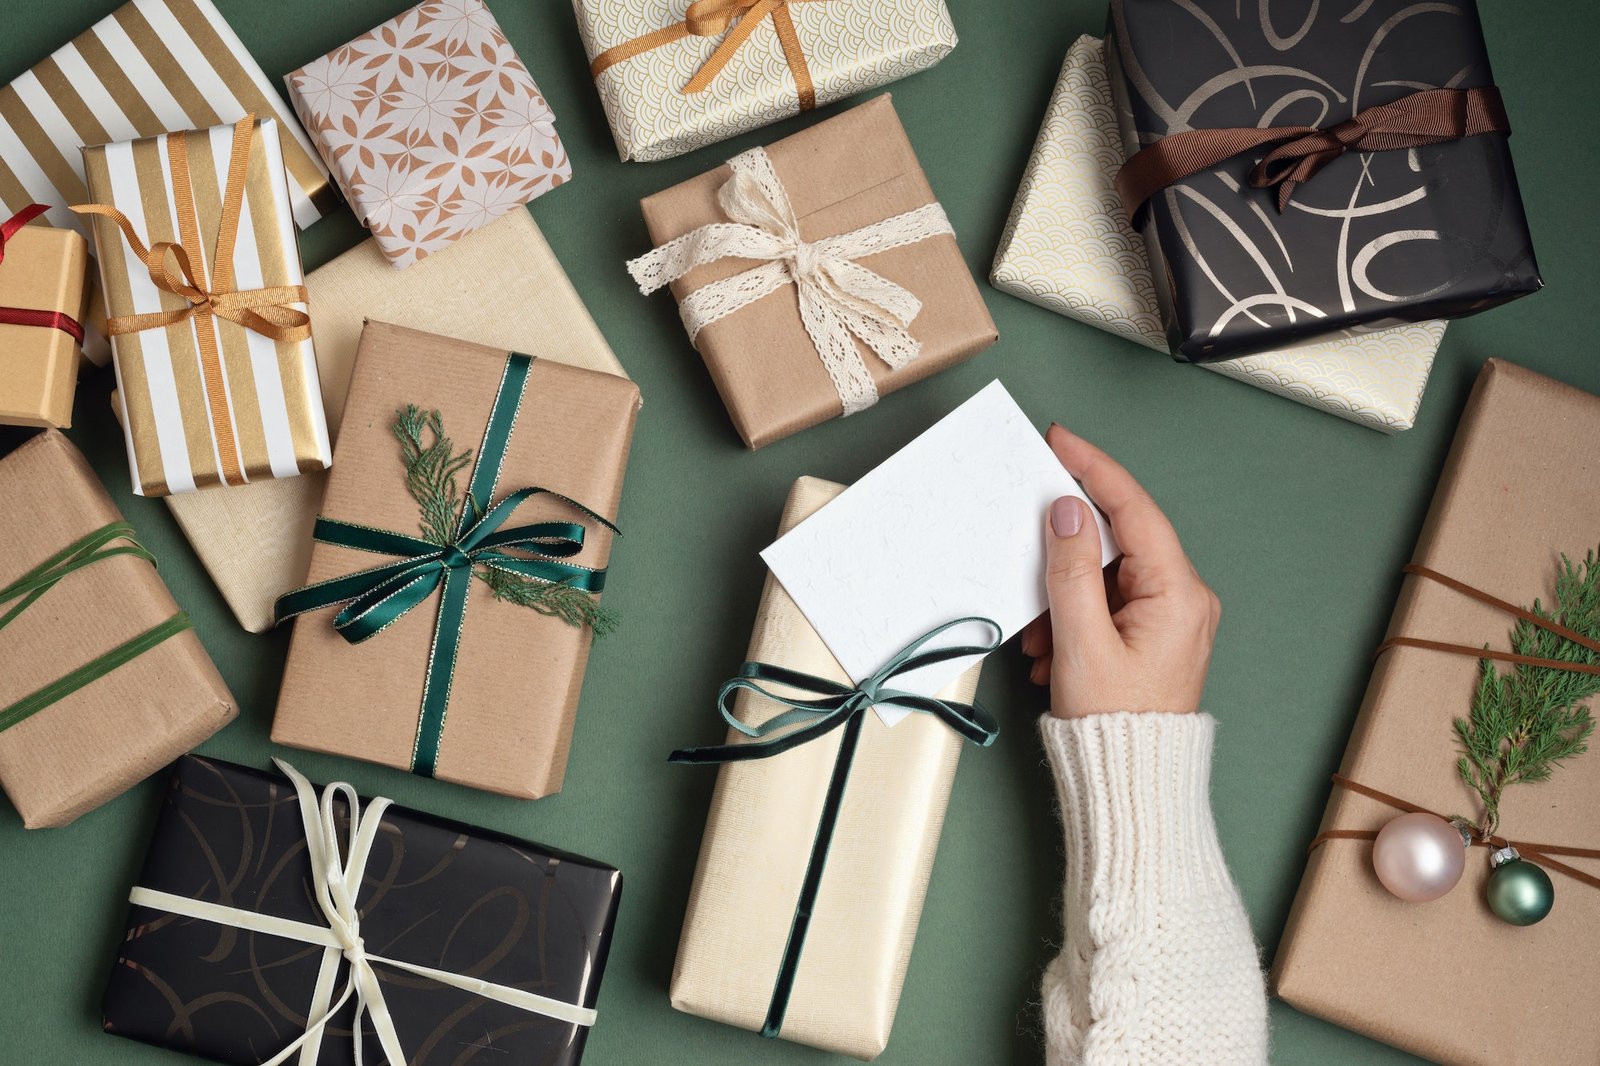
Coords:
1519,892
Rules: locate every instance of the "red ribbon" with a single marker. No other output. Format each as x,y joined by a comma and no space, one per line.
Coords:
30,316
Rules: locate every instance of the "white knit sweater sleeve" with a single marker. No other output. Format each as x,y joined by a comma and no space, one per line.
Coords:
1158,964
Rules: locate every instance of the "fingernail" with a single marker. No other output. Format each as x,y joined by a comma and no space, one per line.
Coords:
1066,516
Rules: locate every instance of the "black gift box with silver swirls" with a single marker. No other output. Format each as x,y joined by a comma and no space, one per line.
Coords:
1373,240
435,893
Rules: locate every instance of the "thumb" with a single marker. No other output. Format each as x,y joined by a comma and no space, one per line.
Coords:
1074,580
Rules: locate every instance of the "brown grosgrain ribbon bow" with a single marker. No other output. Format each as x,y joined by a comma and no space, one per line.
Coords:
266,311
710,18
32,316
1427,116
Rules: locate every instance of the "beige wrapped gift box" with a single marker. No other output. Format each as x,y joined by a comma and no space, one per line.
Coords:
758,839
1067,248
255,540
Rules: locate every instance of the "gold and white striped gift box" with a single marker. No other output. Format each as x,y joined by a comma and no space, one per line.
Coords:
258,412
150,67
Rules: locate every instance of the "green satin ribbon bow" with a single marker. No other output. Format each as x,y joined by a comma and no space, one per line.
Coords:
25,591
376,598
835,706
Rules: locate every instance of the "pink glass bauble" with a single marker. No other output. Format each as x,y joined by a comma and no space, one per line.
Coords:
1419,857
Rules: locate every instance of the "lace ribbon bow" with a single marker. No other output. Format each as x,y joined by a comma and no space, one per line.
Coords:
841,301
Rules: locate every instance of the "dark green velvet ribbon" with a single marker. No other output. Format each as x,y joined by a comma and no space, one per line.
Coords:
376,598
835,706
26,590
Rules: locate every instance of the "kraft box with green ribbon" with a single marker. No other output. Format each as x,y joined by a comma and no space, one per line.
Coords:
822,831
102,679
454,586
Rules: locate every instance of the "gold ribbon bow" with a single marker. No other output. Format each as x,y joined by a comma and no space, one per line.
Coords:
736,18
266,311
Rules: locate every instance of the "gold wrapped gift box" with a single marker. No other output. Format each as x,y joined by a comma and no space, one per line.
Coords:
44,271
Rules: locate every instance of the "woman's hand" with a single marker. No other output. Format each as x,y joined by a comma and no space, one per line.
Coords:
1136,637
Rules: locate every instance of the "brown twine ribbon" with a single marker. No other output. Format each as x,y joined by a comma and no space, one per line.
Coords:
1427,116
1536,852
736,18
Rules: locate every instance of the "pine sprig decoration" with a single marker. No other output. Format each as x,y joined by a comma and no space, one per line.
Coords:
1531,718
432,468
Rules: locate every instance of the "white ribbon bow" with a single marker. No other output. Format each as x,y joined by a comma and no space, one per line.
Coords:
336,885
840,300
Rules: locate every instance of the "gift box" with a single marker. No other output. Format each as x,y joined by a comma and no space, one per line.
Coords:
1384,194
255,540
431,125
43,303
674,77
1448,980
478,684
1068,247
757,849
216,372
104,680
467,939
838,221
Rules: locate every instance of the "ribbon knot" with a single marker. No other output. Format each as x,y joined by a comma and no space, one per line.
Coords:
841,302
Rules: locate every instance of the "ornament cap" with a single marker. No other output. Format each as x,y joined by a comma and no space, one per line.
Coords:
1503,856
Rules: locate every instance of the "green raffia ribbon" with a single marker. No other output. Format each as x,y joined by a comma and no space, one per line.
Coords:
27,589
376,598
806,720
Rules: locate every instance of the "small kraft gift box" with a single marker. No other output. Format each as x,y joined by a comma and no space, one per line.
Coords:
1291,182
342,930
490,479
1515,524
103,680
815,860
43,304
674,77
815,274
200,267
431,125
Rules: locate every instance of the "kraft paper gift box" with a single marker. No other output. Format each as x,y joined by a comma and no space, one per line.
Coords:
1447,980
758,840
104,682
1067,247
437,894
841,176
674,76
255,540
500,718
209,396
149,67
1374,237
431,125
43,303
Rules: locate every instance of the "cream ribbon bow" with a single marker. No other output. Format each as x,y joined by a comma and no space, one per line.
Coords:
335,884
840,300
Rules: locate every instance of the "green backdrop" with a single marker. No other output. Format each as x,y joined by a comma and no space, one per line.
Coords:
1299,520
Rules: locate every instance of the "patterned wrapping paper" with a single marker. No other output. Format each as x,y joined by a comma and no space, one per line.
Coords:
437,894
43,270
175,420
758,839
1068,248
850,46
432,126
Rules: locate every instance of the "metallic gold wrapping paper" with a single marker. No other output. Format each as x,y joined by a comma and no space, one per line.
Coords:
758,839
44,269
273,401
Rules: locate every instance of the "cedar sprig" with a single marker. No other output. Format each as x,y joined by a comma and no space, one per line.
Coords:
432,469
1529,719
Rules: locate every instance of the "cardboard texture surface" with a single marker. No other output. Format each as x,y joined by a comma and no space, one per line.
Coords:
758,838
841,174
1447,980
44,269
518,672
97,742
255,540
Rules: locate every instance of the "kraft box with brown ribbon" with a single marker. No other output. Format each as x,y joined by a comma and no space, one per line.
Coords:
1449,980
1295,175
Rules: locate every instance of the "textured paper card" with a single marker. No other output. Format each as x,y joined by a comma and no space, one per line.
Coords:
951,525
